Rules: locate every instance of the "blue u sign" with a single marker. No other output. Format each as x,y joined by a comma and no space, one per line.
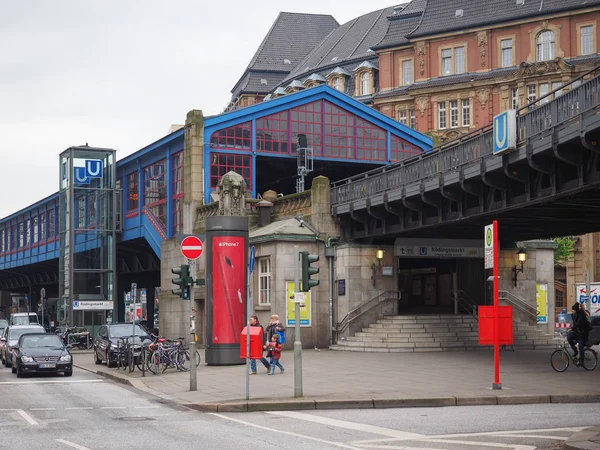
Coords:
505,131
86,169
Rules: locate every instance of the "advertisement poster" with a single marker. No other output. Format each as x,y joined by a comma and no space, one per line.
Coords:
592,299
541,297
228,290
290,315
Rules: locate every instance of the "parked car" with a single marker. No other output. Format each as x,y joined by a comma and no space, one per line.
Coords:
107,341
24,318
3,325
11,337
41,353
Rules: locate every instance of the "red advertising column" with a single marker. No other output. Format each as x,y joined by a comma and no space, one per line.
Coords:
497,384
226,288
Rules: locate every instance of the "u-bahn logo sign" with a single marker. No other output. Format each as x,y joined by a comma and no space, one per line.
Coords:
505,131
86,169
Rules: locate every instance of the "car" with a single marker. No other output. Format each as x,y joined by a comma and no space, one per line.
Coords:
107,341
11,337
24,319
41,353
3,325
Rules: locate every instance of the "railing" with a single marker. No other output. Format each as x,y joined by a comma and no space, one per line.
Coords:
463,302
470,148
351,318
517,302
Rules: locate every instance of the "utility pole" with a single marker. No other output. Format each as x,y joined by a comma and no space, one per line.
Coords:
190,286
297,341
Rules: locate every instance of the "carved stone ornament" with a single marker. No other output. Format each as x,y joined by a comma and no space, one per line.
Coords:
232,194
422,103
482,41
421,55
542,67
483,95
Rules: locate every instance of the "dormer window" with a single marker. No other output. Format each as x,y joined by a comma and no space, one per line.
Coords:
545,46
336,83
365,83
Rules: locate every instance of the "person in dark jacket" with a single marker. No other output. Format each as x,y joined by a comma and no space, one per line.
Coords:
579,331
255,323
274,326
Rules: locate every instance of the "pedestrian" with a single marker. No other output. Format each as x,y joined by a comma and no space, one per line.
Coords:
255,323
579,332
275,348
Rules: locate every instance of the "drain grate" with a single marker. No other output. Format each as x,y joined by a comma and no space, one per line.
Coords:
134,419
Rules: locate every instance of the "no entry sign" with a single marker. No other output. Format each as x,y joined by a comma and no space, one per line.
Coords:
191,247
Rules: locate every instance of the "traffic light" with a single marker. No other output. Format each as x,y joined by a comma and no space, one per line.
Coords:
183,281
308,271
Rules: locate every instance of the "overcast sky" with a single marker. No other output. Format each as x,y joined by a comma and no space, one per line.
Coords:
118,73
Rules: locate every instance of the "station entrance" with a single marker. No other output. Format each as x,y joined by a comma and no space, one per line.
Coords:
431,271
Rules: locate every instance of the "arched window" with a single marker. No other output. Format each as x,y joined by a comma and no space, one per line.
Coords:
365,83
545,45
335,83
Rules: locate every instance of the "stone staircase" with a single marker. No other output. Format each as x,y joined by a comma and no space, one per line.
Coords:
436,333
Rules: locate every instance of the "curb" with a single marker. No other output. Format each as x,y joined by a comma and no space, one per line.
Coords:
587,439
109,375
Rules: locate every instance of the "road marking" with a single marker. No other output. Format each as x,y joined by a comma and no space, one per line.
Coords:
349,425
484,444
289,433
113,407
146,407
42,409
79,407
72,444
27,417
10,383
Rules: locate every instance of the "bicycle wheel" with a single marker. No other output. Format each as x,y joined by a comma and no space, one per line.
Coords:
143,360
130,359
154,365
183,360
559,360
590,359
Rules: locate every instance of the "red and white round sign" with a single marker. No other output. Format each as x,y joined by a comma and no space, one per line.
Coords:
191,247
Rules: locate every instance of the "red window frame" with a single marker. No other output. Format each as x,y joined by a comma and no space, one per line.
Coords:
133,200
221,163
42,225
308,120
155,191
177,190
400,149
371,141
237,137
338,145
272,133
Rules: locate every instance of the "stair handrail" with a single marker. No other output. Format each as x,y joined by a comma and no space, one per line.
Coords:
518,303
463,300
364,308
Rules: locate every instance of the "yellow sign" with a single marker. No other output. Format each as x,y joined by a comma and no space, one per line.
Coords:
290,315
541,297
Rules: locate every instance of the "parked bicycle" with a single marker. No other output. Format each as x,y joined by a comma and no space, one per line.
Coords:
562,357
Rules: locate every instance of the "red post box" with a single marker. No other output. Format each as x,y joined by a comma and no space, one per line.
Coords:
256,342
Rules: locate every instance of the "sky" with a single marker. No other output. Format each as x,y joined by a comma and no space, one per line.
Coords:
118,73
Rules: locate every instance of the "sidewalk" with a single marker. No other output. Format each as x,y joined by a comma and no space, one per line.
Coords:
341,380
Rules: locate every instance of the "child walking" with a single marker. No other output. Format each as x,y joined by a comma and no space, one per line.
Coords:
275,348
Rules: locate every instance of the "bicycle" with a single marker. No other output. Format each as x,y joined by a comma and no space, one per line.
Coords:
561,358
125,354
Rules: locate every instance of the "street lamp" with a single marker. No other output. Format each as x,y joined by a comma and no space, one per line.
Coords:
376,266
522,255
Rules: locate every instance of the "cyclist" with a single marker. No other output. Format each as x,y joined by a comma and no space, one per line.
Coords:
579,331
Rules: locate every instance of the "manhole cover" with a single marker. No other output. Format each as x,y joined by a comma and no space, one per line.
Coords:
134,419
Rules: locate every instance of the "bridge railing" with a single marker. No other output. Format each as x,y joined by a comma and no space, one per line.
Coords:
555,107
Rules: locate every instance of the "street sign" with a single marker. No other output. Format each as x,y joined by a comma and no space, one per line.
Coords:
489,246
584,298
505,131
252,258
191,247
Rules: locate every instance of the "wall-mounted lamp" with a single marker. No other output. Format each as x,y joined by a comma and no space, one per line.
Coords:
522,255
376,266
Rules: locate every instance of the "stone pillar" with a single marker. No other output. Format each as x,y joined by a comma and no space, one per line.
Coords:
194,168
320,197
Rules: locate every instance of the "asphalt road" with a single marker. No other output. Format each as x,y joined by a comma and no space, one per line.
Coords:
89,412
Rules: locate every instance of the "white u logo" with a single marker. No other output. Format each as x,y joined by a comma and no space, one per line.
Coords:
93,172
500,130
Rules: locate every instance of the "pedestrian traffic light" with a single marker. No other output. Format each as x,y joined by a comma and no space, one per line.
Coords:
308,271
183,281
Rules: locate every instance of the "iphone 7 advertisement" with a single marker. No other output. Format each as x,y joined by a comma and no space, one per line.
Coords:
228,290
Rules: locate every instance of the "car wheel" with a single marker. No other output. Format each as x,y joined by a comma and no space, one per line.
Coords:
19,373
108,362
13,369
96,359
7,363
68,373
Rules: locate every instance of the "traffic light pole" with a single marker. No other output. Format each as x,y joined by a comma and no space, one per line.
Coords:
193,382
297,342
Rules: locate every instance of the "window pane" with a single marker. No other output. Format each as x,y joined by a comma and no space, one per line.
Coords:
506,52
453,114
446,61
587,40
442,115
515,98
466,112
407,72
459,60
545,45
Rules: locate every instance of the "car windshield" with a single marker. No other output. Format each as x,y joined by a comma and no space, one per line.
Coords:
3,323
15,333
41,341
127,330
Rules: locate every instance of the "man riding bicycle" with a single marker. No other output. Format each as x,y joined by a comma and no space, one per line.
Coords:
579,331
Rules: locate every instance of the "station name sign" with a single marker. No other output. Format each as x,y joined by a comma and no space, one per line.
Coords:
428,249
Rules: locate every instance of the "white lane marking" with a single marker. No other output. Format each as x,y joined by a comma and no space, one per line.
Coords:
72,444
500,433
79,407
42,409
49,381
146,407
113,407
289,433
27,417
484,444
372,429
537,436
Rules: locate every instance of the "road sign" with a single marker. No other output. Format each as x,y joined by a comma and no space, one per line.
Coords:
505,131
584,298
252,258
489,246
191,247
